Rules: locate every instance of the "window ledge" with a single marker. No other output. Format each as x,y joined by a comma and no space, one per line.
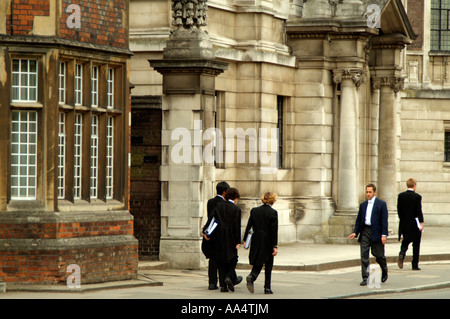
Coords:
439,53
65,106
34,105
24,205
93,205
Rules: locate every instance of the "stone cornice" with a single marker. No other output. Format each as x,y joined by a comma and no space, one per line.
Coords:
61,43
211,67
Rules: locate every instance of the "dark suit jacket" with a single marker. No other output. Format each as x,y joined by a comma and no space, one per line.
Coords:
227,235
379,219
264,221
409,207
212,203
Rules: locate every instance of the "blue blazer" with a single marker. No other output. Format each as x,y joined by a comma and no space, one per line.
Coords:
379,219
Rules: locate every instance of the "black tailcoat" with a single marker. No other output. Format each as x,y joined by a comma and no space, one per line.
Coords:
264,221
409,207
227,235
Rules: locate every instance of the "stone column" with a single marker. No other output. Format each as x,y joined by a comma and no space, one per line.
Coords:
189,69
350,79
387,147
386,73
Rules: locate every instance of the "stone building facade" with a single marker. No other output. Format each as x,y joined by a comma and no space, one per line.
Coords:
65,114
354,89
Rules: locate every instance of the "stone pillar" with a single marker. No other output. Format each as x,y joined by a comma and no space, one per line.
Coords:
388,144
189,70
385,70
5,123
350,79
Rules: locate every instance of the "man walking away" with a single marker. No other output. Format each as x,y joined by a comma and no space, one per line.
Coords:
409,209
221,189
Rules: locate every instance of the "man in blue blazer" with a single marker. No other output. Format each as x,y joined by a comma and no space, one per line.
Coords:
372,226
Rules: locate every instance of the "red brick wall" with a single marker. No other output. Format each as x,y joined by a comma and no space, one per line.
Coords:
65,230
102,22
415,14
39,252
23,13
97,264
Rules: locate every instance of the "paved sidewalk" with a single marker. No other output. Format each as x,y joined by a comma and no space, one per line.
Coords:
301,271
435,246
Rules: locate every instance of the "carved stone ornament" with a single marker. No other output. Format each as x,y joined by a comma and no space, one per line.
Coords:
396,83
189,13
356,75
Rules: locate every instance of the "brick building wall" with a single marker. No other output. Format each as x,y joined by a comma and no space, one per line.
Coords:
145,185
40,237
415,15
22,14
104,22
41,251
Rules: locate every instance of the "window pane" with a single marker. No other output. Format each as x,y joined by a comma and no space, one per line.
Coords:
77,155
94,155
24,80
16,65
23,155
33,66
15,79
24,65
61,155
109,157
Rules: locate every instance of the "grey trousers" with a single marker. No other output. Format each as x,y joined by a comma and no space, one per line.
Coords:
377,249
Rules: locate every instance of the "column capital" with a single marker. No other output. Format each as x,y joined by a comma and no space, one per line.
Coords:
396,83
358,76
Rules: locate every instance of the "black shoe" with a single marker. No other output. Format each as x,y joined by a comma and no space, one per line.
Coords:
229,284
363,283
400,261
223,289
384,276
268,291
212,287
250,286
238,280
416,268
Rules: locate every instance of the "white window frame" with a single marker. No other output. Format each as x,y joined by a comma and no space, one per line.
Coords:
94,86
62,83
24,139
110,92
94,156
110,157
61,154
24,80
77,161
78,84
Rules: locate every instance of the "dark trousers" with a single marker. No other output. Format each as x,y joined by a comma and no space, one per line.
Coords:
212,272
416,248
227,269
268,265
377,249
